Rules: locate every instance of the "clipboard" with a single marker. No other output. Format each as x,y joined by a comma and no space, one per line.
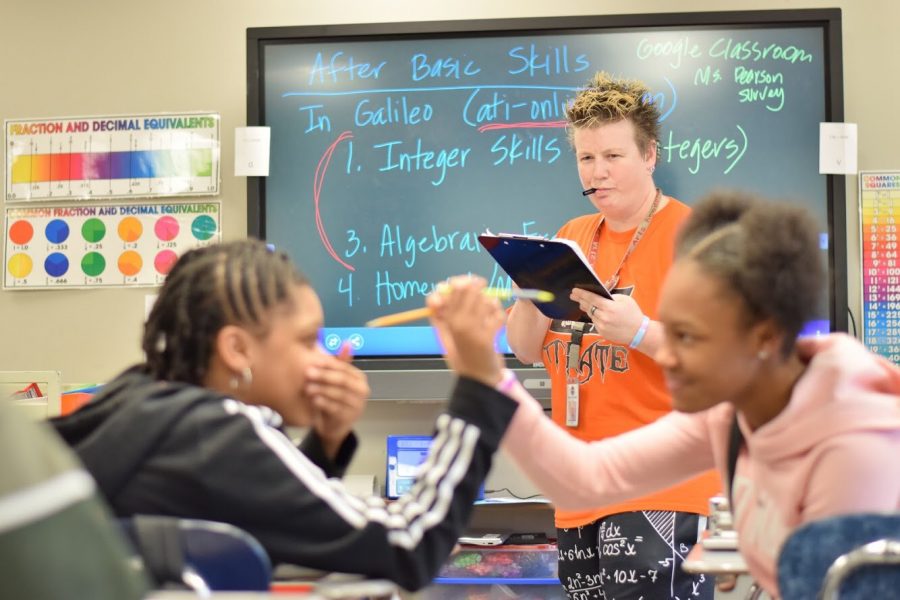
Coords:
556,265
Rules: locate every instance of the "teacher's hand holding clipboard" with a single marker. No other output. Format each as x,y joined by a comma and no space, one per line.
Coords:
617,318
556,265
559,266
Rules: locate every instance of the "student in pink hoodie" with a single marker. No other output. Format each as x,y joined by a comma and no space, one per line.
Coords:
819,420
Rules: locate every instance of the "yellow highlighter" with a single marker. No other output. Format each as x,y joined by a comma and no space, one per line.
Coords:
421,313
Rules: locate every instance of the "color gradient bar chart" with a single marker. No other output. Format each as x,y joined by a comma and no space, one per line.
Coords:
138,164
102,245
112,157
879,218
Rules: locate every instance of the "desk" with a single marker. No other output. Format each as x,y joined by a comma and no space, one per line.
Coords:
290,582
317,586
190,595
714,562
348,593
719,562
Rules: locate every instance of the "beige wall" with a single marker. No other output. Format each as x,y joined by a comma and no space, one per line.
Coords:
98,57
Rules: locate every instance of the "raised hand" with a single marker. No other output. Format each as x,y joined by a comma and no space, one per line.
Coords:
467,322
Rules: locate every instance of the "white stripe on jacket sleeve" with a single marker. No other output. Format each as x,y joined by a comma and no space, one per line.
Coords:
407,519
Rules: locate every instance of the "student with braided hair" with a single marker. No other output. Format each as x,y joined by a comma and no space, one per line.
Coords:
231,357
797,431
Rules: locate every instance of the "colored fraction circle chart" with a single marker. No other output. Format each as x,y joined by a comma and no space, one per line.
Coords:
21,232
20,265
93,264
204,227
102,245
56,264
93,230
164,261
166,228
130,263
57,232
130,229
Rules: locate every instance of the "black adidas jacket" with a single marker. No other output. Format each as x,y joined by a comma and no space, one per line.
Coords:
175,449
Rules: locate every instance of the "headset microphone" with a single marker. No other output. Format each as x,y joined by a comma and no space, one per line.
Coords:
588,191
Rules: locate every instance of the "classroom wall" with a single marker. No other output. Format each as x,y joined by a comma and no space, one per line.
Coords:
98,57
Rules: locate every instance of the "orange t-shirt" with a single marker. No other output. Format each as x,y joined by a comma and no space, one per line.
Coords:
622,389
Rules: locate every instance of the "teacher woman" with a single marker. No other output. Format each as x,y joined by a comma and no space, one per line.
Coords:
604,380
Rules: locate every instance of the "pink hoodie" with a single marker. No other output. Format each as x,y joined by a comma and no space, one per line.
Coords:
835,449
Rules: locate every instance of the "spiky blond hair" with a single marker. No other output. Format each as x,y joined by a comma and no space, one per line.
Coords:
608,99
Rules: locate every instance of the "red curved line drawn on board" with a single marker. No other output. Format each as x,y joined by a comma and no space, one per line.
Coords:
318,180
523,125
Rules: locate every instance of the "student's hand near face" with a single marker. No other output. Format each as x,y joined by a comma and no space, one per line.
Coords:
467,322
616,320
338,393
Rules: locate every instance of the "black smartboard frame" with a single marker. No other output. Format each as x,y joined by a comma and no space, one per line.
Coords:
425,378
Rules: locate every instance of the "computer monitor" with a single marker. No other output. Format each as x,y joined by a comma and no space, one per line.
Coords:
405,454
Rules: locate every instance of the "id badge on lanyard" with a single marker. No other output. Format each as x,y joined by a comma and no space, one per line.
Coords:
573,355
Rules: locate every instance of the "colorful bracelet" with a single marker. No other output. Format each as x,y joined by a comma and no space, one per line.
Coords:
639,336
507,383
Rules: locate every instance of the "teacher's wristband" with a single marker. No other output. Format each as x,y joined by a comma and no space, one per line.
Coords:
639,336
